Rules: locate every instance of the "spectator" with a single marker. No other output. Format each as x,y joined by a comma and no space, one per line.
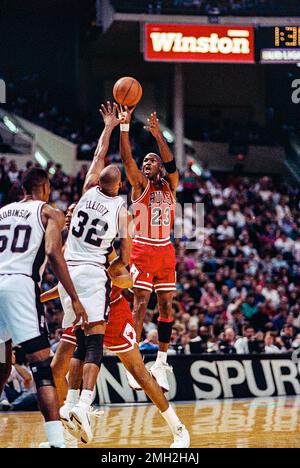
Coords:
227,343
225,231
235,217
242,344
287,338
150,345
271,293
249,307
211,299
270,347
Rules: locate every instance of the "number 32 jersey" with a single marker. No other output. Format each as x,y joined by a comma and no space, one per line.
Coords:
22,240
94,227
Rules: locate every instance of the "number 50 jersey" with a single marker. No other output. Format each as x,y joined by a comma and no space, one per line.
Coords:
22,245
94,227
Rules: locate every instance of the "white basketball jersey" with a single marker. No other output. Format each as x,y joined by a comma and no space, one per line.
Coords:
94,227
22,243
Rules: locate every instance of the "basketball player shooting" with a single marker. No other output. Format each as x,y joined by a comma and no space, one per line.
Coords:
120,336
153,260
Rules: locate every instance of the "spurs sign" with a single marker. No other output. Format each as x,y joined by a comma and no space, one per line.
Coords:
193,43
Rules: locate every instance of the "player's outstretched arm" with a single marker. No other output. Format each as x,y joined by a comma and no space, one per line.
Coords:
109,114
125,232
55,222
136,178
165,152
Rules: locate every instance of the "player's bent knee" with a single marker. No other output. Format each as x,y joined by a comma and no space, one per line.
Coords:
94,349
42,373
80,350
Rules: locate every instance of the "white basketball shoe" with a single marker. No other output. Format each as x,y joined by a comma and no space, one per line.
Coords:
159,371
181,438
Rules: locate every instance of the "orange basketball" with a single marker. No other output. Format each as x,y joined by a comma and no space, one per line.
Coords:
127,91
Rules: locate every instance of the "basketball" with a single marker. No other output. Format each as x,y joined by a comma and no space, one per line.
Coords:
127,91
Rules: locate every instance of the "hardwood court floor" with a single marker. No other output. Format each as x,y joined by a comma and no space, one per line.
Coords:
269,422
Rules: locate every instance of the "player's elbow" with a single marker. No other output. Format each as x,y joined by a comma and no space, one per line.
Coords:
53,253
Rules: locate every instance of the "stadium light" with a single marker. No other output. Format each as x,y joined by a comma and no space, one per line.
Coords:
168,136
10,124
40,158
196,169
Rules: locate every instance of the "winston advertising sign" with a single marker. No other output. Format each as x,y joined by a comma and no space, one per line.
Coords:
198,43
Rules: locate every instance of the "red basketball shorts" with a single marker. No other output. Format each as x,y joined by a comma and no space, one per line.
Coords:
120,334
153,267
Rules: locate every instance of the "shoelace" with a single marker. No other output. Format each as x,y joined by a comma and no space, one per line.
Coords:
179,432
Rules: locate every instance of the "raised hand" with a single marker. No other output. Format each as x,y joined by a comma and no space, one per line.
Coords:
125,114
110,114
152,125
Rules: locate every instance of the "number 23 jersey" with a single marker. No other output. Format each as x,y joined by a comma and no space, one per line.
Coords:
154,213
22,240
94,227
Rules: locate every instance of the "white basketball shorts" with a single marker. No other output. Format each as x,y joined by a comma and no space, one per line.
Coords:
22,315
93,287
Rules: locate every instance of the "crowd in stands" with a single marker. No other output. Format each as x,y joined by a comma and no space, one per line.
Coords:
210,7
238,288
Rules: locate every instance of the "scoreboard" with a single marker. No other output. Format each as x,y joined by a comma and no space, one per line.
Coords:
278,44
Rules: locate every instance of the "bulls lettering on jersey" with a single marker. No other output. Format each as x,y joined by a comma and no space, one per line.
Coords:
22,240
154,213
94,228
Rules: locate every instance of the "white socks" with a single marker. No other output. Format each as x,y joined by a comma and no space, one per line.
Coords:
55,434
161,357
72,397
172,419
86,398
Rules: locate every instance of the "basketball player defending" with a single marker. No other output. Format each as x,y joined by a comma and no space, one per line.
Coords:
153,260
30,231
98,218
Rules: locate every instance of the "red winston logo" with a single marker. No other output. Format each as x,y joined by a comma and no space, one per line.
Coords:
174,42
236,42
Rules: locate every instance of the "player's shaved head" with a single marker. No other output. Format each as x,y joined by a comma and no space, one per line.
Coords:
110,179
153,155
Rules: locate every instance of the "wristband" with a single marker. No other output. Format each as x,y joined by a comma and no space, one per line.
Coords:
170,166
125,127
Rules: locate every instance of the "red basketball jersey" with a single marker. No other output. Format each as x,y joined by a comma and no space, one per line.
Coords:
154,213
